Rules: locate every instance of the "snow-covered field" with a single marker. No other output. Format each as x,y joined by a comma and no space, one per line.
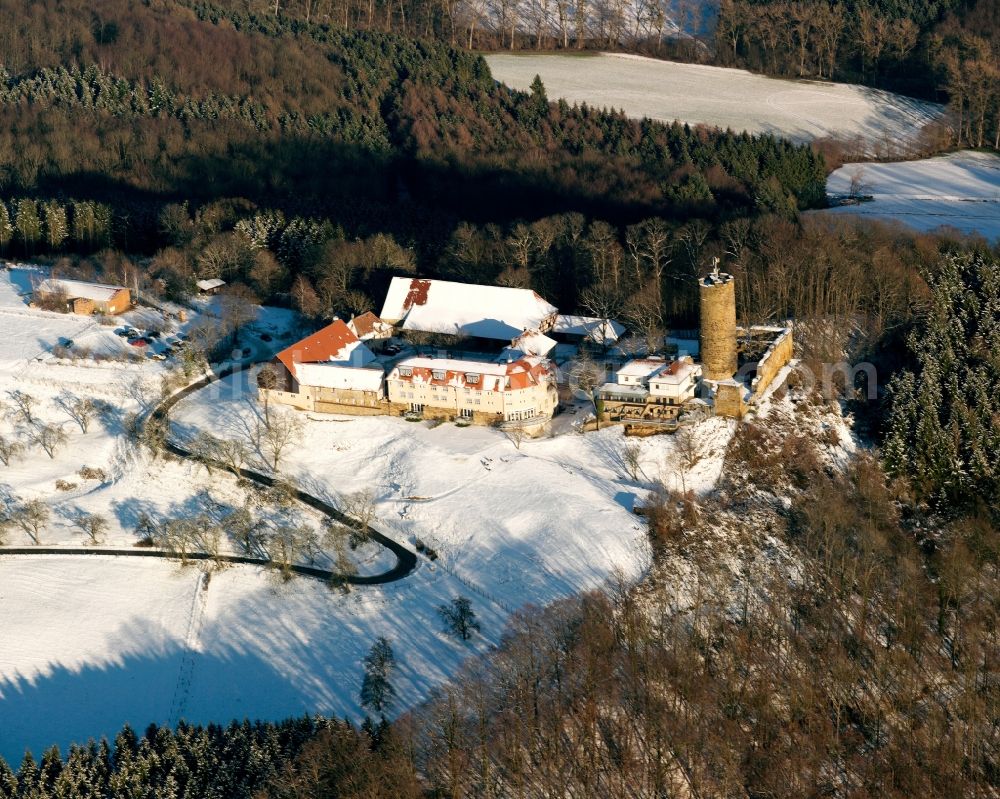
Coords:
725,98
529,524
88,643
959,191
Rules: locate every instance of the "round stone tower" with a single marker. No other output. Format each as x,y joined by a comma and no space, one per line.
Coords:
717,292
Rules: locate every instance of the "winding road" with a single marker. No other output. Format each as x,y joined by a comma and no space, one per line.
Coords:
406,560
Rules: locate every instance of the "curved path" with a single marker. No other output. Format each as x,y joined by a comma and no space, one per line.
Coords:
406,560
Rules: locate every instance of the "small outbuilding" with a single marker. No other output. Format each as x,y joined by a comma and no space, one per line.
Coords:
83,298
210,286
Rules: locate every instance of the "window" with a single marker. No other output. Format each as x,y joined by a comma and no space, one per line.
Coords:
405,371
471,377
466,413
438,374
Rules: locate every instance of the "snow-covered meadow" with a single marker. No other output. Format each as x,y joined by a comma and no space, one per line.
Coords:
720,97
959,191
519,524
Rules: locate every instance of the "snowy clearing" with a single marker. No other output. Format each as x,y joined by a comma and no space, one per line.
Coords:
959,191
725,98
88,644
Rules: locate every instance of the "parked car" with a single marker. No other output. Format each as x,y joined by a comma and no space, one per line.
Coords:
152,334
138,342
66,342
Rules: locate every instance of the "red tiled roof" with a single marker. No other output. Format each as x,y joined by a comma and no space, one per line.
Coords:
365,324
508,377
323,345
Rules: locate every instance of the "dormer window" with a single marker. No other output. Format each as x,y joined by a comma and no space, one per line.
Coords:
438,374
405,371
471,377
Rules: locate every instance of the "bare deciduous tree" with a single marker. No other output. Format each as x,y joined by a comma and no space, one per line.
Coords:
632,458
267,380
81,410
50,437
23,405
180,536
273,439
92,525
237,308
360,506
286,545
9,449
585,377
32,517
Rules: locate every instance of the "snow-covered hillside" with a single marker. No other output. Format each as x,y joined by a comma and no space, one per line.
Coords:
725,98
960,191
90,642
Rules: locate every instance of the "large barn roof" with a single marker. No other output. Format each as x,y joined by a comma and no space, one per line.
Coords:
465,309
79,289
334,344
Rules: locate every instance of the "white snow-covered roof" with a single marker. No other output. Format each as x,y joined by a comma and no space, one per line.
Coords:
331,375
456,365
79,289
465,309
532,342
601,331
641,367
619,390
211,283
354,354
676,373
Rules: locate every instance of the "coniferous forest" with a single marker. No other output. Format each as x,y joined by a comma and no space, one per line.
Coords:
306,152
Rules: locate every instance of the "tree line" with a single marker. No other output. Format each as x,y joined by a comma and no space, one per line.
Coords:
29,227
190,761
940,50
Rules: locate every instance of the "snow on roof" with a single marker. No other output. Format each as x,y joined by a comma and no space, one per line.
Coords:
334,344
600,331
533,342
641,367
464,309
368,325
79,289
332,375
677,372
211,283
478,375
618,389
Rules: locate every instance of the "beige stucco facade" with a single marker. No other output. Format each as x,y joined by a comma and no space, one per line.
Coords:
482,406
